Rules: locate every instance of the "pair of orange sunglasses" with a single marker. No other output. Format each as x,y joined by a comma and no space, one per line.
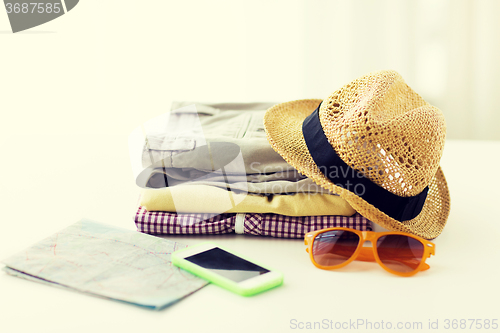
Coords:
399,253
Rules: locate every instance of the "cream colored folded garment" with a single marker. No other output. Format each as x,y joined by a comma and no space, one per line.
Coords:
209,199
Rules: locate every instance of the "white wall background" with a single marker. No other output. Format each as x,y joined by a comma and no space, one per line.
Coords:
121,62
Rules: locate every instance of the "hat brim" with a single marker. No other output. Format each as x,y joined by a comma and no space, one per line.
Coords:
283,125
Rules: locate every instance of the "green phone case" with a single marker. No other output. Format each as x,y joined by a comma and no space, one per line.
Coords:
221,280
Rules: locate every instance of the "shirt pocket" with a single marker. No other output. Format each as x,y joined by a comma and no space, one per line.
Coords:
255,128
180,131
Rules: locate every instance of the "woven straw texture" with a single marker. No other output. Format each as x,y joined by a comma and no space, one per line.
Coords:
380,127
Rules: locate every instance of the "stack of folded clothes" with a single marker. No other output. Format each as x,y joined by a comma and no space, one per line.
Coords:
209,169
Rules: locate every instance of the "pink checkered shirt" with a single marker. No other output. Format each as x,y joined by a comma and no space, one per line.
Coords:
272,225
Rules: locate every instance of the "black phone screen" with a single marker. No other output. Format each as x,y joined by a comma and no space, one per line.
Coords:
227,264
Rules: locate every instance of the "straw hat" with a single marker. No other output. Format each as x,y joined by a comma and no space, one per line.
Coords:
377,144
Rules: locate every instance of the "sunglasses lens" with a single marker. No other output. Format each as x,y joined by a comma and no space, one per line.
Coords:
332,248
400,253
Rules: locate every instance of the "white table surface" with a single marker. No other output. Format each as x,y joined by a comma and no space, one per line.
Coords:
44,190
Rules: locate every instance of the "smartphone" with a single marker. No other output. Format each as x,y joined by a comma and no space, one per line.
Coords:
227,269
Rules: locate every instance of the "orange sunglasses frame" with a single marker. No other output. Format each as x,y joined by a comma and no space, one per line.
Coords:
370,254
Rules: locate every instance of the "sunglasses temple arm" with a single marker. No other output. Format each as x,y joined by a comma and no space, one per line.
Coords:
366,254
